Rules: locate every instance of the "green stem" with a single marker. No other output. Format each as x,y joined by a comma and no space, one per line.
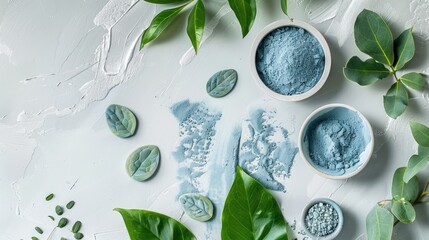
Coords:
383,202
394,73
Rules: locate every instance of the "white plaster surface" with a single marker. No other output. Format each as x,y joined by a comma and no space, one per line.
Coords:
63,62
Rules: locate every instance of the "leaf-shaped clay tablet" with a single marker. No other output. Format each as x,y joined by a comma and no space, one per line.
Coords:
121,121
143,162
222,83
197,206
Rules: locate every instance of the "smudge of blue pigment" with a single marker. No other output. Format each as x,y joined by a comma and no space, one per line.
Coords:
290,60
266,152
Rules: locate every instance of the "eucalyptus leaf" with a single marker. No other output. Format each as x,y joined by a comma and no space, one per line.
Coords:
121,121
396,100
365,73
373,37
245,11
403,211
413,80
147,225
404,48
197,206
222,83
420,133
379,224
164,1
251,212
416,164
196,21
408,191
159,23
143,162
283,4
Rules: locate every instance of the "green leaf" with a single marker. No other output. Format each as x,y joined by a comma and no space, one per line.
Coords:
404,48
159,23
221,83
147,225
245,11
143,162
379,224
396,100
373,37
197,206
403,211
164,1
416,164
251,212
413,80
365,73
408,191
284,6
196,21
420,133
121,121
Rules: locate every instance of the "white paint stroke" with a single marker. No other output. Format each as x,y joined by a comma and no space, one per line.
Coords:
420,11
5,50
321,11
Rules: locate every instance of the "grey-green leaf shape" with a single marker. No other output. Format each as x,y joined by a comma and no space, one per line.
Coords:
416,164
365,73
373,37
420,133
413,80
404,48
222,83
400,189
396,100
143,162
379,224
197,206
121,121
403,211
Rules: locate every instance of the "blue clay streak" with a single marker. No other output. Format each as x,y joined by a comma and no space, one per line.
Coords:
290,60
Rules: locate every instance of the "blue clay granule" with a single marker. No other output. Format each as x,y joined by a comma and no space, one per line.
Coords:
321,219
290,60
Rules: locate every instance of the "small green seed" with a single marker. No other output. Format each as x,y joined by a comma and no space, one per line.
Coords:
76,227
51,217
78,235
63,222
34,238
49,197
63,238
39,230
59,210
70,205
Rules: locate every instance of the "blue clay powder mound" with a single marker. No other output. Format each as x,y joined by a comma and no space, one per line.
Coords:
290,60
336,139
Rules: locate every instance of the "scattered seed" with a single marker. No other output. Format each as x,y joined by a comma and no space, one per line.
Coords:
39,230
34,238
63,238
59,210
63,222
76,227
70,205
51,217
78,235
49,197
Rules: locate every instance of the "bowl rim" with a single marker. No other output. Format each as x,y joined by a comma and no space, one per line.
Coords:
311,116
313,31
336,206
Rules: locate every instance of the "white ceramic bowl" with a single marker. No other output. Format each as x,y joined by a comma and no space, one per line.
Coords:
340,218
364,157
311,30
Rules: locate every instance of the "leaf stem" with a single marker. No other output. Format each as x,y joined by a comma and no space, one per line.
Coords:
383,202
394,73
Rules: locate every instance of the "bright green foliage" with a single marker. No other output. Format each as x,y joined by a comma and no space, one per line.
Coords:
196,21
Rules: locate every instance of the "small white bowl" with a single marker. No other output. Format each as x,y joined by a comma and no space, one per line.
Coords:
340,218
313,31
364,157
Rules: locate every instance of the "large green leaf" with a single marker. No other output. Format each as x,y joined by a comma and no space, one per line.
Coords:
373,37
147,225
121,121
416,164
404,48
251,212
164,1
408,191
365,73
245,11
283,3
396,100
159,23
196,21
420,133
413,80
379,224
403,211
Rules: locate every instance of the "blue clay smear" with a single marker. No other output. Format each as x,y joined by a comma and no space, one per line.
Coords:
290,60
336,140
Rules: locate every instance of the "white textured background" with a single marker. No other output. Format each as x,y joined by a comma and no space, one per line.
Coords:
63,62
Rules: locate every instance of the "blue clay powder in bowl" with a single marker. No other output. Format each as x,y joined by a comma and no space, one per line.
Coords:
336,141
290,60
